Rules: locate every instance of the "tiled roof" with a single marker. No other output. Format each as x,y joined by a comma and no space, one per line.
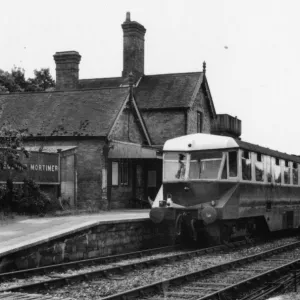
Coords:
166,90
155,91
100,83
70,113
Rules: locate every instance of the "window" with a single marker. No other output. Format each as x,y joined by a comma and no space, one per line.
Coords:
205,165
232,158
286,173
152,178
224,171
246,166
124,173
115,173
277,170
268,169
295,173
139,176
174,166
259,168
199,121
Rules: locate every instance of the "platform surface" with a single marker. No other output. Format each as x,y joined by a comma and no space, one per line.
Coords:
21,233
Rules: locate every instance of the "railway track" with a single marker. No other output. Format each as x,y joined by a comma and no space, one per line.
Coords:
85,262
51,276
224,281
62,285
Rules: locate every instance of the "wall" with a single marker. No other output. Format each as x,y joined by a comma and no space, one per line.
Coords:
90,163
100,240
163,125
137,189
201,105
68,176
127,128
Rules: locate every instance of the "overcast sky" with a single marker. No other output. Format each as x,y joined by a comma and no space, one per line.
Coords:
251,49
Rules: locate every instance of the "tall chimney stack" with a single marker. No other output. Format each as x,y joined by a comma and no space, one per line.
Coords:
133,48
67,70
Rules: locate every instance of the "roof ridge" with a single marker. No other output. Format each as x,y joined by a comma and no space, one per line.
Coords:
63,91
101,78
199,72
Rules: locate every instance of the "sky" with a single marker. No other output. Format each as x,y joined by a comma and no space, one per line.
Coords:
251,49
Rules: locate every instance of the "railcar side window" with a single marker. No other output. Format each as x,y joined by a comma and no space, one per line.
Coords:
232,157
286,173
174,166
205,165
277,170
268,168
246,165
295,173
259,168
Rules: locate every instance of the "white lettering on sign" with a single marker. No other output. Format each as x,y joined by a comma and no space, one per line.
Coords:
47,168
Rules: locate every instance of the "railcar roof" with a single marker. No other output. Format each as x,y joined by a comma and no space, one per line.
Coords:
202,141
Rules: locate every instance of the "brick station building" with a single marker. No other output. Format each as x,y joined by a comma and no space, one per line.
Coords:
117,125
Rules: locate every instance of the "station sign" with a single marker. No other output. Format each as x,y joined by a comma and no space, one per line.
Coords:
42,167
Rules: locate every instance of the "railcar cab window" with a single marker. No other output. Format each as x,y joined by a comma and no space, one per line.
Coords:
246,165
205,164
259,167
232,159
175,166
295,174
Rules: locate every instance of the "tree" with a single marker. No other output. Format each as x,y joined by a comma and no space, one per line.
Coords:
15,81
19,77
42,81
8,83
11,143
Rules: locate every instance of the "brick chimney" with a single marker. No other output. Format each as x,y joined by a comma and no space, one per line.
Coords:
133,48
67,70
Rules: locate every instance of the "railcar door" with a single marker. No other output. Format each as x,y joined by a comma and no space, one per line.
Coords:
288,220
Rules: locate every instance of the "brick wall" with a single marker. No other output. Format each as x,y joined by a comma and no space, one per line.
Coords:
100,240
90,163
200,105
163,125
128,129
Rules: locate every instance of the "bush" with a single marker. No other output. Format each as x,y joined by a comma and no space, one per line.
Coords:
27,198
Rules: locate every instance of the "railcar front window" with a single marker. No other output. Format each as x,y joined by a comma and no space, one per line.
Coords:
174,166
205,165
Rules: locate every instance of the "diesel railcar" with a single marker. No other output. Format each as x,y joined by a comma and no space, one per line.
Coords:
220,188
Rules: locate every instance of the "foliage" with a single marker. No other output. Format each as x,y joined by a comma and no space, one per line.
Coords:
15,81
30,199
27,198
11,144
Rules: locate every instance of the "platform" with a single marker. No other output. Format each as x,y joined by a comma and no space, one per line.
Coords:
22,233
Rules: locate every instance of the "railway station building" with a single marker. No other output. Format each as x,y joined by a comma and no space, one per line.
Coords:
116,127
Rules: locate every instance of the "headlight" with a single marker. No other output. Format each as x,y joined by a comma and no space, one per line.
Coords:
213,202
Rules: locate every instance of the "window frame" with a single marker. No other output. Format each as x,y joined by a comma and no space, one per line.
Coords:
124,171
112,174
241,165
199,121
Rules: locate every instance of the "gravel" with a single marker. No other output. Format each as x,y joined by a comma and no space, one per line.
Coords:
104,287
